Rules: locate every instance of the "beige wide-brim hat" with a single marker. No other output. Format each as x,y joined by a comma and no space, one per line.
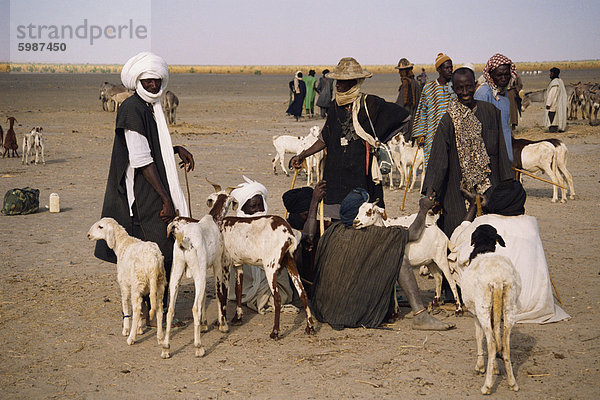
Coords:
404,64
348,68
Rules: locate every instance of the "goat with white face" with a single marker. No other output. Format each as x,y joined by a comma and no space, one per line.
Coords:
292,144
404,155
140,271
430,249
490,288
198,245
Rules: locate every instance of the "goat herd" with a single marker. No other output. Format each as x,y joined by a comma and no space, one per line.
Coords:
548,156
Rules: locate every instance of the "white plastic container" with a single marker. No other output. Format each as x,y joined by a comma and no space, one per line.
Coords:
54,203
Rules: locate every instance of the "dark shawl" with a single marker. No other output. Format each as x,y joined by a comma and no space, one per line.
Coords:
356,271
325,89
443,171
298,103
346,166
135,114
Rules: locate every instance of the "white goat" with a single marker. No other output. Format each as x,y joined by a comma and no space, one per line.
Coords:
314,167
266,241
548,156
198,245
430,250
33,140
490,288
292,144
140,271
404,155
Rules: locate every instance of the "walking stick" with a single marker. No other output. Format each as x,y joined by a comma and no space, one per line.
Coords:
187,185
537,177
554,286
409,176
285,215
321,218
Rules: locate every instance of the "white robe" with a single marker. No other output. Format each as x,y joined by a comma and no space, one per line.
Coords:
524,248
556,98
256,293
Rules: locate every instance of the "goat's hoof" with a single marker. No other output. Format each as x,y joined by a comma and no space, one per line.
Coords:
275,335
310,330
200,351
130,341
514,388
125,332
165,352
224,328
204,326
435,302
140,330
572,197
554,200
563,200
485,389
236,321
459,312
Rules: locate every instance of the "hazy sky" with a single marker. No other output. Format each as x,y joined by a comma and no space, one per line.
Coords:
267,32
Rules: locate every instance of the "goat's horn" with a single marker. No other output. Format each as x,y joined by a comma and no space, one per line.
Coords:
217,187
230,189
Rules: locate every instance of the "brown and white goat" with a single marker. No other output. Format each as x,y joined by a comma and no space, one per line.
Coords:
33,141
430,249
490,289
266,241
548,156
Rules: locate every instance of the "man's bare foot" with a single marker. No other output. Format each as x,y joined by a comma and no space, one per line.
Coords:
425,322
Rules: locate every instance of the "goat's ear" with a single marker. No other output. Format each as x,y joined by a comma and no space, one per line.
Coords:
384,215
234,205
209,202
110,236
230,189
500,240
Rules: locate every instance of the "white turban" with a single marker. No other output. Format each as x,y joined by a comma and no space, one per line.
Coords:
145,63
246,191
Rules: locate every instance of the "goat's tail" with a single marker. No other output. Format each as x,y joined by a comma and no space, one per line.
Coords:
153,299
497,309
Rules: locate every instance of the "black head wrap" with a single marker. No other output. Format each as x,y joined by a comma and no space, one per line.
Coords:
298,200
508,198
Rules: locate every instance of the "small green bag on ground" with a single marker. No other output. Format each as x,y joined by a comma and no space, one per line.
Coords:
21,201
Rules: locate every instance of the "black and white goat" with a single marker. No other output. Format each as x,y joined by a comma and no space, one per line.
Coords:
490,288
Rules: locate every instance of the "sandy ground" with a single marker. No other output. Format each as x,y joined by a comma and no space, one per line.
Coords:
60,315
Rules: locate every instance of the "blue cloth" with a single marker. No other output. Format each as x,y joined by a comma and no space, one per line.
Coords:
484,93
351,203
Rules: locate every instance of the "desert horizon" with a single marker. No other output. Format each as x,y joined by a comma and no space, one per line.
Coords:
11,67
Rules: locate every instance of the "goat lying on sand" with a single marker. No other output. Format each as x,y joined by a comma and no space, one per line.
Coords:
198,245
490,288
430,249
140,270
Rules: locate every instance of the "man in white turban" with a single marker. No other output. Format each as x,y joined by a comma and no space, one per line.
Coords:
143,193
256,294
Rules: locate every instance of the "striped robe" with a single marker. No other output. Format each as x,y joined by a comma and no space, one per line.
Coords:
434,101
